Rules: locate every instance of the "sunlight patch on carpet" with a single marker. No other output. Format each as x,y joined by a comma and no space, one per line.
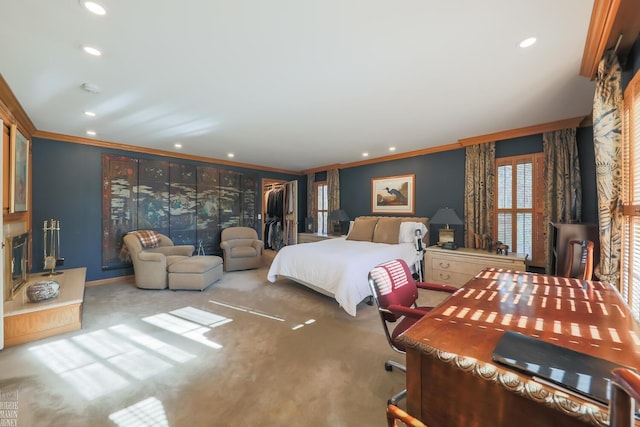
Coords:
103,343
148,412
100,362
185,328
158,346
140,364
302,325
248,310
62,356
200,316
95,380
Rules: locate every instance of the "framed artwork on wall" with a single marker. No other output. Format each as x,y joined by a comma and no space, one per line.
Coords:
19,171
393,195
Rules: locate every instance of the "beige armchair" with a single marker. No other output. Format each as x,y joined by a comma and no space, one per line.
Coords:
150,264
241,248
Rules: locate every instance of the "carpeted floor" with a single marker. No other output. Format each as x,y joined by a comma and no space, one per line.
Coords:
243,352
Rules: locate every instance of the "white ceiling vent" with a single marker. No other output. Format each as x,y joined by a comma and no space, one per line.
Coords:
91,88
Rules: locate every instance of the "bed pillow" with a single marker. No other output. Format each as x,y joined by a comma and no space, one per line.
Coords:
387,231
363,229
408,231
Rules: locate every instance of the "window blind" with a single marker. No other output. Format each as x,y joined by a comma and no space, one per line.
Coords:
630,263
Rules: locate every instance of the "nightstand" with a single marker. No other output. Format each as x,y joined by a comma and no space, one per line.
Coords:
456,267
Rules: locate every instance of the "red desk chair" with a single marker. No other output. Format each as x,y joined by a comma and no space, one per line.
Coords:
395,292
624,394
584,270
394,414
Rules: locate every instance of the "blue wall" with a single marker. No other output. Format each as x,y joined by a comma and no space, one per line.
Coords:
67,187
439,182
440,179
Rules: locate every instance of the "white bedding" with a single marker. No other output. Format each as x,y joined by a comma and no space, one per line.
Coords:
337,267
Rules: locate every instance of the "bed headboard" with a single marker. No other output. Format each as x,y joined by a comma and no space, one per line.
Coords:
421,219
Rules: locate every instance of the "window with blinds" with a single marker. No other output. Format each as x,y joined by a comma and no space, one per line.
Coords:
630,264
518,220
322,206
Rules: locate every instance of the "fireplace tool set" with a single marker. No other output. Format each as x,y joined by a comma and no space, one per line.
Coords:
51,230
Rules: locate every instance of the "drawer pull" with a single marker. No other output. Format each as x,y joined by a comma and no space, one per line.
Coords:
444,264
445,276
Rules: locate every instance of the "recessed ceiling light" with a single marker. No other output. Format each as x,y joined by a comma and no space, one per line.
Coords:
89,113
392,148
92,50
91,132
230,155
527,42
93,7
365,154
177,145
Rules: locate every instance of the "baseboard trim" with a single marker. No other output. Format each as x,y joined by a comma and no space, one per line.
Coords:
129,278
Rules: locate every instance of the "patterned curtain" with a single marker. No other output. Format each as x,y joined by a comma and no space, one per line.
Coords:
333,189
563,186
311,199
607,142
479,170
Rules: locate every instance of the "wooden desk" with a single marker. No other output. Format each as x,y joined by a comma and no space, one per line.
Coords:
452,381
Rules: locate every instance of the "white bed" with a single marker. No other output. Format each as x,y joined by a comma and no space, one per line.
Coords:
339,267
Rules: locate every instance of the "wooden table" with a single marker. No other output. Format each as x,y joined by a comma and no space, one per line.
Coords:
452,380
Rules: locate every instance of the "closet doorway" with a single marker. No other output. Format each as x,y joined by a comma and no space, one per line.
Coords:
279,213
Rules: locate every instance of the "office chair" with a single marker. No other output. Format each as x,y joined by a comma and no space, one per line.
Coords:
625,391
584,270
395,293
394,414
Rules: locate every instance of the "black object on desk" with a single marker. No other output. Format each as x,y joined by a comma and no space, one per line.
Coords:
577,372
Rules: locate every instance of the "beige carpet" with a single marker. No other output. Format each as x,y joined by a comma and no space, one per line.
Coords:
274,354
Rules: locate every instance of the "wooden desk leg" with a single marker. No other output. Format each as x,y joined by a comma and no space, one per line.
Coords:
414,381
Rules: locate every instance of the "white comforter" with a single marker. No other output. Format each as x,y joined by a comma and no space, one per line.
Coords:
338,267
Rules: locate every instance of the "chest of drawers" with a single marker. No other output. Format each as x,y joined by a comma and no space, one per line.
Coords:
457,267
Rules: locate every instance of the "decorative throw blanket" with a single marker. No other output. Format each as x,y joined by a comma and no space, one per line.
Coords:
148,239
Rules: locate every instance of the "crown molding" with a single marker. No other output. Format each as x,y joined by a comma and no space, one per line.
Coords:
11,109
523,131
155,152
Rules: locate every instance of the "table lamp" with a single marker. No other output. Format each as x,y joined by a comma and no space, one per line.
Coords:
446,236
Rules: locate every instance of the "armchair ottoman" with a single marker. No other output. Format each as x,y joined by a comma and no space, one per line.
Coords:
150,262
196,273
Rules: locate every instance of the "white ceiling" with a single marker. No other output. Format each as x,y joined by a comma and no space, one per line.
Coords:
295,84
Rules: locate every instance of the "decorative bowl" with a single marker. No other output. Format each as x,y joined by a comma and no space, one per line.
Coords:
43,291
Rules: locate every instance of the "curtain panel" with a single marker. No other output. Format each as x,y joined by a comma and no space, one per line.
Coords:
607,143
480,166
563,185
311,200
333,190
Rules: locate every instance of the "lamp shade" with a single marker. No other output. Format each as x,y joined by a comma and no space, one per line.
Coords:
446,216
338,215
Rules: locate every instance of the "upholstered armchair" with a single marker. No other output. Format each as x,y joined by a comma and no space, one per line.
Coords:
241,248
150,263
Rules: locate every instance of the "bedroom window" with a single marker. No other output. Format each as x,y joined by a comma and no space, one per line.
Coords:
518,212
322,206
630,254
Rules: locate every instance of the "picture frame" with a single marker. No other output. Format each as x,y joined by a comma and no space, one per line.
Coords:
393,194
19,171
